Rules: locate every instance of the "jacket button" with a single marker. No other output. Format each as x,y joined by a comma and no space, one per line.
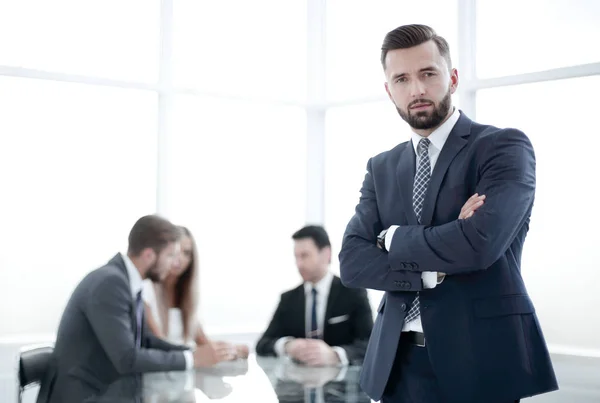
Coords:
407,284
403,307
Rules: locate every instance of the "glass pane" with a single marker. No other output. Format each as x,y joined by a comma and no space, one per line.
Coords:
355,32
77,168
353,135
564,219
237,175
257,50
541,35
110,38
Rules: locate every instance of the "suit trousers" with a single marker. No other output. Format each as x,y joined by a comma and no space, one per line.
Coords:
412,379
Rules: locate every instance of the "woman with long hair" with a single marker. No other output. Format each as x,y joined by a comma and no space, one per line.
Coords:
171,305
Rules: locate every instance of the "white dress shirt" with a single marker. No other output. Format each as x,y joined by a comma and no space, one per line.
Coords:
323,287
174,316
438,138
136,285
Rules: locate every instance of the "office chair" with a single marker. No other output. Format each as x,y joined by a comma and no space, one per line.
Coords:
32,364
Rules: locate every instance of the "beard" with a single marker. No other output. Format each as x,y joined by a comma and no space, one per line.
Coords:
424,120
153,273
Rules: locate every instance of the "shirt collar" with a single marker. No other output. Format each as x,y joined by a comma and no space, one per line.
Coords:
322,286
135,280
439,136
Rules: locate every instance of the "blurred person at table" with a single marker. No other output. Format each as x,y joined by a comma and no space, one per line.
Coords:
320,322
171,305
103,334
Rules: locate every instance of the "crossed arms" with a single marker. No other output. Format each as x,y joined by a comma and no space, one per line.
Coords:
507,179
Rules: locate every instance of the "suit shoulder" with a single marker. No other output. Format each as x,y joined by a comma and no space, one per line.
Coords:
389,156
493,133
106,276
391,153
290,293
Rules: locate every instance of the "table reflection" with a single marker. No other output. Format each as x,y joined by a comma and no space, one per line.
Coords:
256,379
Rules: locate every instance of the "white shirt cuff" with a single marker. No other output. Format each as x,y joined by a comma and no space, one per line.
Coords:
341,353
342,374
389,236
189,359
280,346
429,279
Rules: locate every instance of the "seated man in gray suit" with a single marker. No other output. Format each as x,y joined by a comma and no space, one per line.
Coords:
103,335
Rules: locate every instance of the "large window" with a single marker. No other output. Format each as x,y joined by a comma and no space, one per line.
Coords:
253,49
355,32
78,167
515,37
221,140
237,179
354,134
110,38
557,117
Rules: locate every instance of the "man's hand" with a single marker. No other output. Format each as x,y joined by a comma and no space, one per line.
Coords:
210,354
466,211
241,351
294,347
316,352
226,351
471,206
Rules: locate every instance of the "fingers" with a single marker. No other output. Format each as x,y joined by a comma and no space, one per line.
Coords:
471,205
205,356
311,354
242,351
225,352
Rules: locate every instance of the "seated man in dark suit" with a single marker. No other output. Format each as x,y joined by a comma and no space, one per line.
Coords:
103,335
320,322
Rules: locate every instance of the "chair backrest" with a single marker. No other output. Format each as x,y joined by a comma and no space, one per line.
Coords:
33,363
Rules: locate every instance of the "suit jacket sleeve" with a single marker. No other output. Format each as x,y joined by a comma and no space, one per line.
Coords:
362,263
507,170
109,313
362,324
275,331
151,341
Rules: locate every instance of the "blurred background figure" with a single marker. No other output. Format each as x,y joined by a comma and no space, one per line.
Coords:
320,322
171,305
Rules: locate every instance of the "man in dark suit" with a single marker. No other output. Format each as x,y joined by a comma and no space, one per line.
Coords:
320,322
440,227
103,335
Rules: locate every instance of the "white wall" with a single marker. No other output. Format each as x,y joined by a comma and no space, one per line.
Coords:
77,169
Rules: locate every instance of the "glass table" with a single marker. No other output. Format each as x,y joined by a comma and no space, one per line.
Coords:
258,379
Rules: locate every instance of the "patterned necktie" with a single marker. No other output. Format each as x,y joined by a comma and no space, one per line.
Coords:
419,190
139,312
314,328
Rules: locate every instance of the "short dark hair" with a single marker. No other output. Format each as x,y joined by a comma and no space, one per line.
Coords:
315,232
408,36
154,232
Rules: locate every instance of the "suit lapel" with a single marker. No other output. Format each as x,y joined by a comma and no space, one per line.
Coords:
405,173
456,141
300,303
333,294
